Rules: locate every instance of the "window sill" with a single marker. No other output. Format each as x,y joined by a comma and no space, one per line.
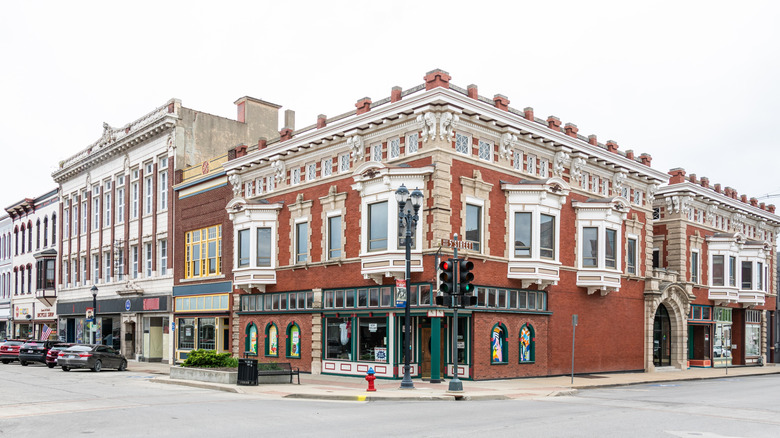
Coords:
527,362
499,363
192,280
292,357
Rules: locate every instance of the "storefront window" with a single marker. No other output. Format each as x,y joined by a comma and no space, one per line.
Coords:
293,341
752,339
373,339
271,340
186,333
251,339
339,338
207,331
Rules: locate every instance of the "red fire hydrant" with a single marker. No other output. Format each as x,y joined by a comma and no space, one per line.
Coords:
370,379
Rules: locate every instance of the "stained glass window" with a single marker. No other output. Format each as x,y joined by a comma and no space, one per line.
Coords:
271,340
527,344
251,339
293,341
498,347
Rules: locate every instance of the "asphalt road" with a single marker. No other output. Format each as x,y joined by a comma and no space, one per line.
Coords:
39,402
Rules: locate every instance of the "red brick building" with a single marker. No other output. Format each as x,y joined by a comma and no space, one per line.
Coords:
716,252
559,224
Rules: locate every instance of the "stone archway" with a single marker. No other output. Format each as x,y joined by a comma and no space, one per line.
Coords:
677,304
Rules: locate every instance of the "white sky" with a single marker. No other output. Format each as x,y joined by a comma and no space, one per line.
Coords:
694,84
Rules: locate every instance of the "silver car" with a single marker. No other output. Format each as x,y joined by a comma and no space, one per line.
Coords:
94,357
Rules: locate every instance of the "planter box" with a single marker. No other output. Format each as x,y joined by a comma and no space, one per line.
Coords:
204,375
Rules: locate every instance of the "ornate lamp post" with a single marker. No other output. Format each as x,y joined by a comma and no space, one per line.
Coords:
94,314
407,222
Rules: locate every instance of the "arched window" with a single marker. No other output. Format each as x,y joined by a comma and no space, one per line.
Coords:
250,343
293,341
29,236
498,346
17,243
38,234
527,344
21,272
271,340
53,229
29,279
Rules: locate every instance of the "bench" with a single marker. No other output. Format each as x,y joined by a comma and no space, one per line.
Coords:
278,369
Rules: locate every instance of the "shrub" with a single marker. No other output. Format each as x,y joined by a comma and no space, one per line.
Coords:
268,366
210,359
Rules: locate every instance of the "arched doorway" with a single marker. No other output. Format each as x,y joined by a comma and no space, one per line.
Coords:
662,338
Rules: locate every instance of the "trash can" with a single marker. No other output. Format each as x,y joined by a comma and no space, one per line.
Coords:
247,372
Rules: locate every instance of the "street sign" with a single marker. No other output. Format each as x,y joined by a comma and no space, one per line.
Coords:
460,244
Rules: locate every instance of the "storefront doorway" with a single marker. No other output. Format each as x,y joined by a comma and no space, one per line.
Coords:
428,343
662,338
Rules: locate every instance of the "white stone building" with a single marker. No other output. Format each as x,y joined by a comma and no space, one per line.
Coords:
6,271
117,212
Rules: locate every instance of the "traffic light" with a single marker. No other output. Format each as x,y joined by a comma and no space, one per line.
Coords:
447,277
465,277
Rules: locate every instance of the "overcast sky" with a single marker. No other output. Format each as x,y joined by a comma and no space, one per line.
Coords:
694,84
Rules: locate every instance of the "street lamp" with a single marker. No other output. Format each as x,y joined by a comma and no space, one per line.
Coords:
407,220
94,313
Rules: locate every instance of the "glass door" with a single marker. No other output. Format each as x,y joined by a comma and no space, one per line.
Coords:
662,339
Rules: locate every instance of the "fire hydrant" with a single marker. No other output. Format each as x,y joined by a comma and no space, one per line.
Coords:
370,379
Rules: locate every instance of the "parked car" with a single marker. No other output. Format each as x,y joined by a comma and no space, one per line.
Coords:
51,356
34,351
94,357
9,351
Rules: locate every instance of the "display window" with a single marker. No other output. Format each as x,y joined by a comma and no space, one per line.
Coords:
339,338
527,344
372,339
498,345
293,341
250,345
271,340
186,333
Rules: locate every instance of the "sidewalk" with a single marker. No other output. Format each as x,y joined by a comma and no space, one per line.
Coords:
329,387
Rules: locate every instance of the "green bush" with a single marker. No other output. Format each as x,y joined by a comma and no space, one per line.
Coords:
268,366
210,359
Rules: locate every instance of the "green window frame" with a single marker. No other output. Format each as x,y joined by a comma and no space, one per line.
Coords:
293,342
527,347
271,340
250,341
499,350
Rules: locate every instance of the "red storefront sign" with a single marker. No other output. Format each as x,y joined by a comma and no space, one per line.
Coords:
151,304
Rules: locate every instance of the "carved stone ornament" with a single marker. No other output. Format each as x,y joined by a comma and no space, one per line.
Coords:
171,142
277,165
710,214
356,149
109,135
678,204
235,180
617,184
559,163
126,165
507,145
737,222
577,165
651,189
427,123
447,122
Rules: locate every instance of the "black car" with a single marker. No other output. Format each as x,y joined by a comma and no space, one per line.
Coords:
34,351
94,357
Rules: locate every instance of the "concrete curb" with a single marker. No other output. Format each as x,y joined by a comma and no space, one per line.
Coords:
193,384
671,380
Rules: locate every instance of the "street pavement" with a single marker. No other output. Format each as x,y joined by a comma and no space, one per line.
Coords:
330,387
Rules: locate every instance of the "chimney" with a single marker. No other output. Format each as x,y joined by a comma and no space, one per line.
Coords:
554,123
754,202
262,143
762,205
646,159
501,102
678,175
571,130
529,113
612,146
705,182
692,178
630,154
744,198
771,208
322,120
593,140
472,92
363,105
178,175
395,94
241,150
436,78
285,134
260,116
717,188
289,119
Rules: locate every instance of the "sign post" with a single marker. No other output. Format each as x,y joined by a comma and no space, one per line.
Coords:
573,333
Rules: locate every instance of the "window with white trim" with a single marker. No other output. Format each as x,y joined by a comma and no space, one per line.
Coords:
376,153
149,187
134,255
485,150
759,276
106,266
586,181
462,144
311,172
301,242
524,231
544,165
395,148
631,257
377,226
84,211
531,164
327,167
269,183
344,162
638,197
334,237
164,257
264,242
248,189
474,225
96,212
148,260
412,143
596,186
295,176
747,275
120,200
95,268
695,269
518,161
107,204
163,183
134,198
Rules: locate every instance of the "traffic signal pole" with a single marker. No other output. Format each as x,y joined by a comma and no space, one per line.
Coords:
455,384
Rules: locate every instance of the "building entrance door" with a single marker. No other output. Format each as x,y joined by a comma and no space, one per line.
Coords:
662,339
426,364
